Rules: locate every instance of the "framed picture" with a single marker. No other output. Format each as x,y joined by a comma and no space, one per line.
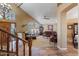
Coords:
50,27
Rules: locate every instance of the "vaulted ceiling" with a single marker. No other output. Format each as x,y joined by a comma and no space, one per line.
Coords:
39,10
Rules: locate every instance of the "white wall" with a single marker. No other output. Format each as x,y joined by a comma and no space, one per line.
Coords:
46,22
73,13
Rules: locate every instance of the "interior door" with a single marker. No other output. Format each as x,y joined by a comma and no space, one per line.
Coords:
3,36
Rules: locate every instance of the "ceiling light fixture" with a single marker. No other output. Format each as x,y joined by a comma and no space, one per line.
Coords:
45,17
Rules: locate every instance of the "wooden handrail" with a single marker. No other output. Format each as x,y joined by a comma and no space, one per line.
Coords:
12,35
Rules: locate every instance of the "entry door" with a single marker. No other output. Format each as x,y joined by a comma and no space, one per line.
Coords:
3,36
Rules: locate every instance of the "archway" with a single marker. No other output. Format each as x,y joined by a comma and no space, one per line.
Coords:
62,26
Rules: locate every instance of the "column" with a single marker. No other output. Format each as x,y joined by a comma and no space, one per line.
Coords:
62,31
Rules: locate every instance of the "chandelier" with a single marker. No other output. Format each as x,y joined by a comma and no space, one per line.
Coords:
5,9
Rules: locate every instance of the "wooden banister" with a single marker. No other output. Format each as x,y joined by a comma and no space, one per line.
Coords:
24,48
30,46
16,46
1,41
3,34
8,45
12,35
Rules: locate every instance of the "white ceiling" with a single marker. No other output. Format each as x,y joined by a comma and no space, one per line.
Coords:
39,10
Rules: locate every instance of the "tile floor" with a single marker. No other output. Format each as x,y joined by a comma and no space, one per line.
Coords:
42,47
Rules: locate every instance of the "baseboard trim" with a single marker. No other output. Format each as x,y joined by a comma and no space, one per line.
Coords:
61,48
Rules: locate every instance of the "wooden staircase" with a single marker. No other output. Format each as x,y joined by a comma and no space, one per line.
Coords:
11,45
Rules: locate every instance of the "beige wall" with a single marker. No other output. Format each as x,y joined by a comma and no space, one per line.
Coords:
73,13
21,18
70,31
